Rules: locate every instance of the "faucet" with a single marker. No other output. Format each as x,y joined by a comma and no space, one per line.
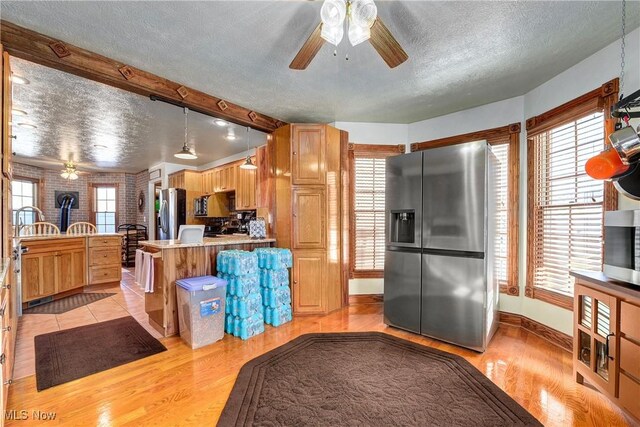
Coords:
18,222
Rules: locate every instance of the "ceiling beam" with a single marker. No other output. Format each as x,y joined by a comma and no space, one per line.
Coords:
35,47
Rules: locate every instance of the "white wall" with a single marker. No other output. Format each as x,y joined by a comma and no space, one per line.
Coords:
381,134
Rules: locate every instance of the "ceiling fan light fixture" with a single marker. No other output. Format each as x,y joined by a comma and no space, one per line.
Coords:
69,172
333,34
333,12
363,13
358,34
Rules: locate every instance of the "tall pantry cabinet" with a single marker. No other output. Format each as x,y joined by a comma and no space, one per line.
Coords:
307,211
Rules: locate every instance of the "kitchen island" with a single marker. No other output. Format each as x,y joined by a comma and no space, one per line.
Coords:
174,260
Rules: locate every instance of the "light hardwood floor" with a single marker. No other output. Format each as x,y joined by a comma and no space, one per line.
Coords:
184,387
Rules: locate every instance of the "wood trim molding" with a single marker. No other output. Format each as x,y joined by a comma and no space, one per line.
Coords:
558,338
39,48
599,99
592,100
366,299
501,133
367,274
509,134
371,150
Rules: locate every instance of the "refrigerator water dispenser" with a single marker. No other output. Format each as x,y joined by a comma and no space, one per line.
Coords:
402,226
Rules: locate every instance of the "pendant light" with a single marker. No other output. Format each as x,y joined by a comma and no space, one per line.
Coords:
248,164
186,152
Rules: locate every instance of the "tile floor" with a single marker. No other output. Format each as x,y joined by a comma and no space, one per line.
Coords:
127,301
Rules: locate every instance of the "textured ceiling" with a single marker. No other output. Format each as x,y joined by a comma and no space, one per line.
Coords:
461,54
75,116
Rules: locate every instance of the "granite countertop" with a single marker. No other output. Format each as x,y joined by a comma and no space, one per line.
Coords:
19,239
208,241
605,283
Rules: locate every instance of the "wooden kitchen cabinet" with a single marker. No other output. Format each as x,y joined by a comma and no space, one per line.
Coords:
246,187
53,266
7,136
225,178
104,259
606,350
309,218
208,181
308,284
308,152
192,182
307,185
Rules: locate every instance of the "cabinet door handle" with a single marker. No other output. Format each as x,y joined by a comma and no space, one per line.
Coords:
606,346
7,329
8,382
295,282
6,286
3,358
294,153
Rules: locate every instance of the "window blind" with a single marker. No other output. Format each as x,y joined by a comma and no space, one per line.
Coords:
567,204
502,213
369,199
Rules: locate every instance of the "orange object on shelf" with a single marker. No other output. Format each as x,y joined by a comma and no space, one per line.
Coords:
605,165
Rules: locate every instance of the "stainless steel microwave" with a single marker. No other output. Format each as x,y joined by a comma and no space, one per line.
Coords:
622,245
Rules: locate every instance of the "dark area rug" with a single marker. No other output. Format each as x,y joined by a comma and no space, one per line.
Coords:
68,303
366,379
70,354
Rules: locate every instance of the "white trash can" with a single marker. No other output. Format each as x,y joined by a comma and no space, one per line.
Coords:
201,309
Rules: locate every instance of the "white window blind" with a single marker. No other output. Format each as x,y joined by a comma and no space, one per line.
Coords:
567,204
502,209
369,198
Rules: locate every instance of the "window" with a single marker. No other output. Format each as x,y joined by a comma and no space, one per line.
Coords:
501,256
567,205
24,192
105,202
367,163
505,145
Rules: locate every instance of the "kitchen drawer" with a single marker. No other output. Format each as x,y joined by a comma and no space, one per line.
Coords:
630,320
53,244
630,395
104,256
104,274
98,242
630,358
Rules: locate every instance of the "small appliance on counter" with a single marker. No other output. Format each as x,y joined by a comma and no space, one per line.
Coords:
622,245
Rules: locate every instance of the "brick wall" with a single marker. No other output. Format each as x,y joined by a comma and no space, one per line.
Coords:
52,181
142,185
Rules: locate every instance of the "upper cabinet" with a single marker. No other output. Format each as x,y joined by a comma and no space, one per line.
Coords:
5,91
308,155
246,187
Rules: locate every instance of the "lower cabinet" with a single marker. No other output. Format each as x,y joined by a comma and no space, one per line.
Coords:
607,341
308,287
48,269
104,259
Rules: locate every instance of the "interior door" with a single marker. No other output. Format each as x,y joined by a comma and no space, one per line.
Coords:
454,197
453,299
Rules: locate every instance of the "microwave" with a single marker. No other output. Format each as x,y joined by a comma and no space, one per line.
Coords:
622,245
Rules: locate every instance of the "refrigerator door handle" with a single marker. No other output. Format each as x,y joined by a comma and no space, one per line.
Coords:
163,210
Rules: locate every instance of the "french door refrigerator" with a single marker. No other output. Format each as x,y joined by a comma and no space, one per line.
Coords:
439,279
173,212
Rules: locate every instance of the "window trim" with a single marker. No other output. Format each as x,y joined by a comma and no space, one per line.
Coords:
92,203
600,99
38,200
509,134
368,151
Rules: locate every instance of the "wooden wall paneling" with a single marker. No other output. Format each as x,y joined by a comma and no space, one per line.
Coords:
333,227
346,214
41,49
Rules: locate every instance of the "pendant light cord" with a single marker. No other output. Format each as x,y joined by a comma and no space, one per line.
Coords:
622,46
186,111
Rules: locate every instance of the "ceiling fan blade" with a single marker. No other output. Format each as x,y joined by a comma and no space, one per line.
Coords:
386,45
308,50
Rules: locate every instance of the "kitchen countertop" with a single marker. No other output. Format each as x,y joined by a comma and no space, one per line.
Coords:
208,241
17,240
606,284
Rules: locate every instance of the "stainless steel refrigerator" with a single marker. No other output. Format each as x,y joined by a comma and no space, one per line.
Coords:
438,278
173,212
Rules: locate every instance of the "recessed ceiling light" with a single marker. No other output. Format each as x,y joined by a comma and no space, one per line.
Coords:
220,122
100,146
17,112
27,125
231,137
19,80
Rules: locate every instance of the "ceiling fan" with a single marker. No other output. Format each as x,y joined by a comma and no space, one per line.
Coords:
362,22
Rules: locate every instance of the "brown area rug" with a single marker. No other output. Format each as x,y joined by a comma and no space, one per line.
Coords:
70,354
366,379
63,305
